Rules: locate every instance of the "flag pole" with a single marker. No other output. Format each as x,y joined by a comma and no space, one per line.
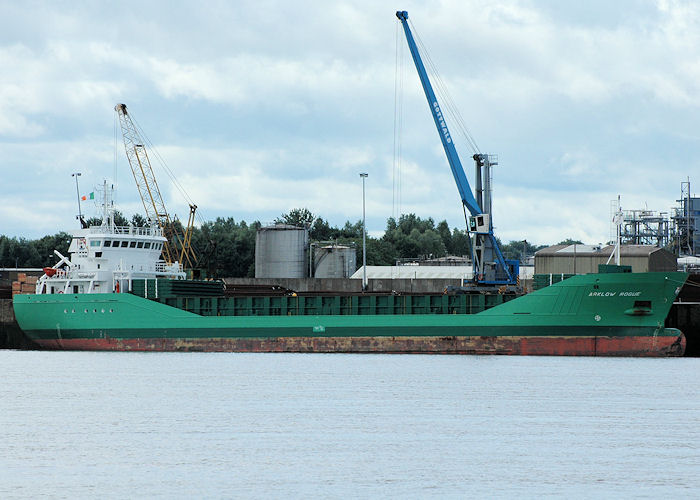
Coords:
77,191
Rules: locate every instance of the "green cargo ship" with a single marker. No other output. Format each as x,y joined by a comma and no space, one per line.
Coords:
616,314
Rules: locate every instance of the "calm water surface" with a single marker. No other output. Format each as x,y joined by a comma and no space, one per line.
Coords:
162,425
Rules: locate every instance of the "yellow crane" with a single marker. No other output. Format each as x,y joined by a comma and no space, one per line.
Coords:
178,245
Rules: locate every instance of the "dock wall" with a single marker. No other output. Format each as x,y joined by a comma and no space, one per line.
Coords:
11,337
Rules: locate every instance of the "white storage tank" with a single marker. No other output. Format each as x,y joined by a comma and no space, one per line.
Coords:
281,252
334,261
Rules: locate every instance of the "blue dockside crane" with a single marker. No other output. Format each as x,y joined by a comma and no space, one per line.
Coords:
490,268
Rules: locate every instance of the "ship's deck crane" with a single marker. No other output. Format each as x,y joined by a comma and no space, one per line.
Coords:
178,245
490,268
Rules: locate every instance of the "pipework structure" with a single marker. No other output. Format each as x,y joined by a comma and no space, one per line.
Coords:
645,227
686,222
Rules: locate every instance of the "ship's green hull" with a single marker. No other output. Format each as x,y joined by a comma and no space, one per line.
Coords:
601,314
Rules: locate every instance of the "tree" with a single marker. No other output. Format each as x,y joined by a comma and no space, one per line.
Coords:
443,230
229,247
379,253
321,230
119,220
414,237
139,220
461,244
46,245
300,217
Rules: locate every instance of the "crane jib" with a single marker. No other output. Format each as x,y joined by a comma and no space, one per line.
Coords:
463,187
506,272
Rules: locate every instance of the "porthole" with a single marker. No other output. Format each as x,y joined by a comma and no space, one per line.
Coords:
111,310
103,311
86,311
94,310
73,311
65,311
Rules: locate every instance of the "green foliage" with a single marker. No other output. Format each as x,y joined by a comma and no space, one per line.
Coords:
32,253
569,241
301,217
226,248
461,244
412,236
119,219
321,230
139,220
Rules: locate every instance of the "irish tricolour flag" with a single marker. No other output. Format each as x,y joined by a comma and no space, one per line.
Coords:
90,196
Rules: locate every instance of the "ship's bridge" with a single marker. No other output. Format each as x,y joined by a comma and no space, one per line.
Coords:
108,258
104,247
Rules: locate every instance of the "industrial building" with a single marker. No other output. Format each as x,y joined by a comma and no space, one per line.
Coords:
583,259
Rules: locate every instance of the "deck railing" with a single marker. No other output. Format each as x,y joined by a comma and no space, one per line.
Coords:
129,230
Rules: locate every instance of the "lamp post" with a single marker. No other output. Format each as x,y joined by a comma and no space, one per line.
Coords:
364,235
77,191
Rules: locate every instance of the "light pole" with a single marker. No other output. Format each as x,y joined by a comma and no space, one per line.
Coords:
77,191
364,235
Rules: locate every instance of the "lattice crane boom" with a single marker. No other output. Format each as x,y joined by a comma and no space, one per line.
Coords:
153,203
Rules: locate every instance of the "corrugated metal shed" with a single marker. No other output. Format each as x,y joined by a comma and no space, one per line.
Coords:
415,272
427,272
583,259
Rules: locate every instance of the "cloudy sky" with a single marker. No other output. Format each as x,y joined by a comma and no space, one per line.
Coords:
260,107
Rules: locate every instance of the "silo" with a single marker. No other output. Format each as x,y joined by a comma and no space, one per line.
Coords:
280,252
334,261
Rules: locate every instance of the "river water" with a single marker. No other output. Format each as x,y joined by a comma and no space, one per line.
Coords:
208,425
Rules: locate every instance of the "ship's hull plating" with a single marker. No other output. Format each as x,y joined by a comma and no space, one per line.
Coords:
640,346
592,315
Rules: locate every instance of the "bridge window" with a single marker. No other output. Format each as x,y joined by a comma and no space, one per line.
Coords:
125,244
95,243
139,244
147,244
132,244
108,243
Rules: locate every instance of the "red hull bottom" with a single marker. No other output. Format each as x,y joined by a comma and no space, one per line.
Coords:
646,346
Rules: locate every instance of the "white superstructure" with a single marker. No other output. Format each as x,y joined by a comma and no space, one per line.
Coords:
107,258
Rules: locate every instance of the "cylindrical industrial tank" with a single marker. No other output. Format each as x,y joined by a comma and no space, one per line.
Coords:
281,252
334,261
